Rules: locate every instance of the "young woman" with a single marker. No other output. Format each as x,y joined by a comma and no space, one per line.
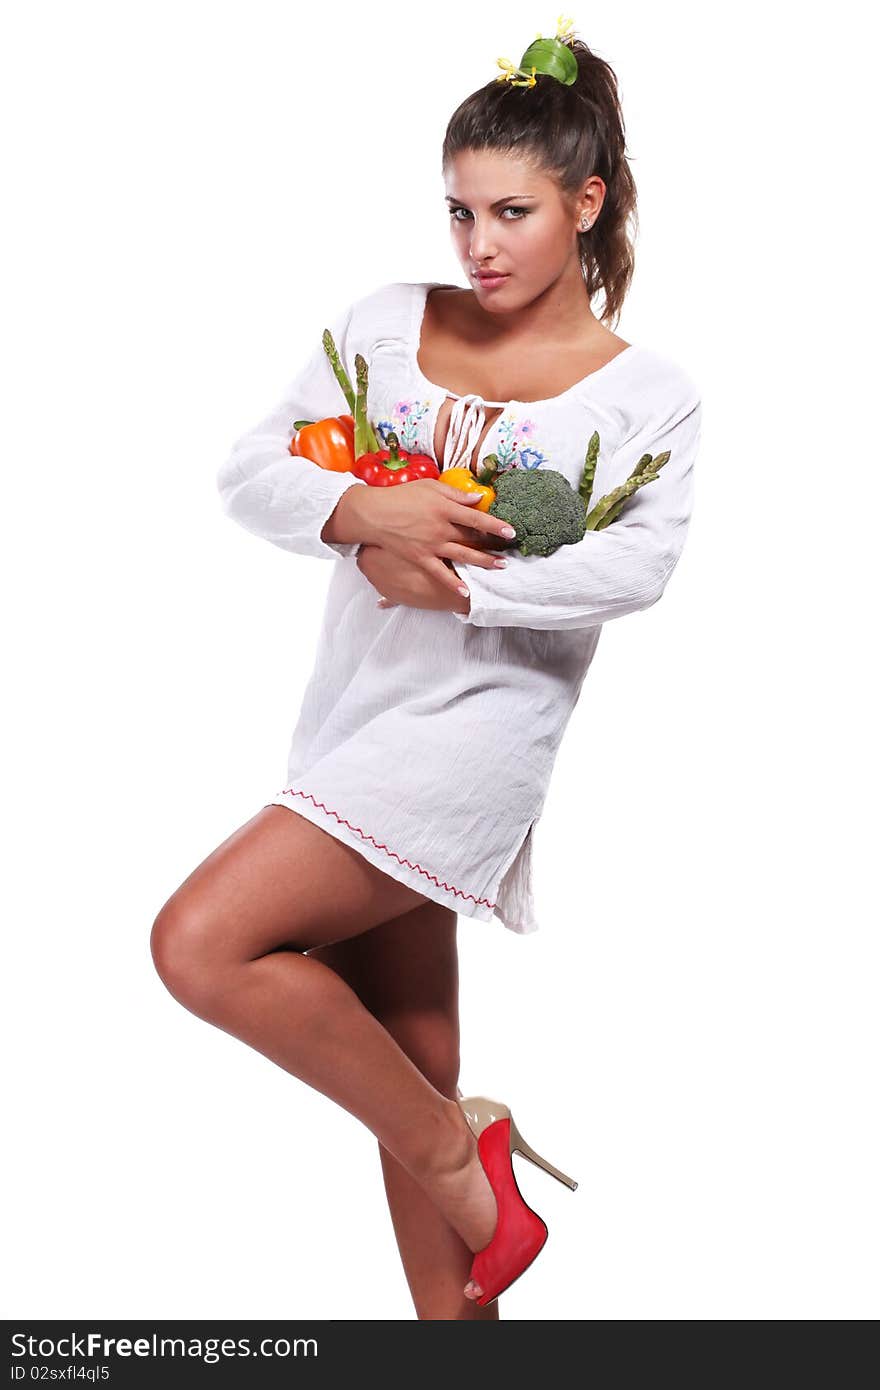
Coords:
323,931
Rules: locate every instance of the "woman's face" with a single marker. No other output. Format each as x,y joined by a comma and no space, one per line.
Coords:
508,217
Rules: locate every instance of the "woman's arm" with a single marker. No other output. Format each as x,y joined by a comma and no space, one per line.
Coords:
613,571
271,493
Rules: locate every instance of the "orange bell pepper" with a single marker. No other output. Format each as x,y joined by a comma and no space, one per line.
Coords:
328,443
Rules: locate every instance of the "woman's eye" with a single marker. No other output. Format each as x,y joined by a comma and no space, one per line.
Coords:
524,212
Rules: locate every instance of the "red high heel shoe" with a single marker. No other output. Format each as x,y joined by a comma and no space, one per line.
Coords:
520,1234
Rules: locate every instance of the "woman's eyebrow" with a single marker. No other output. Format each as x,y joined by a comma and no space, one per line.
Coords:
496,204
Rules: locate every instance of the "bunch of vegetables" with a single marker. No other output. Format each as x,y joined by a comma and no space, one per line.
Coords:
541,505
348,443
546,511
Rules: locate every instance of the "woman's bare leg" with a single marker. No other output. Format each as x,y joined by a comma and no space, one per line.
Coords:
406,973
230,946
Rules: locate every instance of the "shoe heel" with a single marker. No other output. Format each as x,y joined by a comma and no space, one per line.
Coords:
519,1144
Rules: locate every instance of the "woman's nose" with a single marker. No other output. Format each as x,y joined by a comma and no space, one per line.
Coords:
482,243
482,248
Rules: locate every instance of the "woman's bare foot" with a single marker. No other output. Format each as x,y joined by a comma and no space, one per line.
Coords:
461,1189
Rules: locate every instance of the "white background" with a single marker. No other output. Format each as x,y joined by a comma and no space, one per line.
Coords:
193,190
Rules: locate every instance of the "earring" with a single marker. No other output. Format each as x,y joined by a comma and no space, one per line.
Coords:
585,224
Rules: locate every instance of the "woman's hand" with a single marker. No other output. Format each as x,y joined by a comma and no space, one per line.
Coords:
403,581
428,524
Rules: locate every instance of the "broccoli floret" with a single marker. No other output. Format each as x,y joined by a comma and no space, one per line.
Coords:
541,506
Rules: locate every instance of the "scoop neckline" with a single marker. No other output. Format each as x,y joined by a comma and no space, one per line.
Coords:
417,318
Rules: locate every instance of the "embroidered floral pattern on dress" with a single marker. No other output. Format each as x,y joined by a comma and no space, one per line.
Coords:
512,447
406,416
510,450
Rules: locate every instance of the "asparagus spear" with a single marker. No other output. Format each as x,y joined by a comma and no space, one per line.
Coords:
338,369
365,441
588,476
610,506
369,444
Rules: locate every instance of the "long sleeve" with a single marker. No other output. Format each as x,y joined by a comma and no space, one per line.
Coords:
268,491
614,571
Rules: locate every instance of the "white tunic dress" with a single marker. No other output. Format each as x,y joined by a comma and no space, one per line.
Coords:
426,739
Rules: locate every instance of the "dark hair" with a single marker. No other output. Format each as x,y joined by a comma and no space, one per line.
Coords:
572,133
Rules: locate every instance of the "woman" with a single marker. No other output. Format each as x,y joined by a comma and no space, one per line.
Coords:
446,672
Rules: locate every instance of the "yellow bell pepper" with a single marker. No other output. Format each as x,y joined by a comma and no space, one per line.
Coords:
464,479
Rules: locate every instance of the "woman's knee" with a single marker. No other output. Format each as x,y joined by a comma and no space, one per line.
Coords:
184,943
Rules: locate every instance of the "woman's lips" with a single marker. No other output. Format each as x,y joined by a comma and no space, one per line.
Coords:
490,280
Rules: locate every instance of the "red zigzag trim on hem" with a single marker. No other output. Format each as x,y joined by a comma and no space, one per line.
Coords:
307,796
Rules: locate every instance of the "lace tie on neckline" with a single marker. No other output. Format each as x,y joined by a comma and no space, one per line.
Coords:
466,424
